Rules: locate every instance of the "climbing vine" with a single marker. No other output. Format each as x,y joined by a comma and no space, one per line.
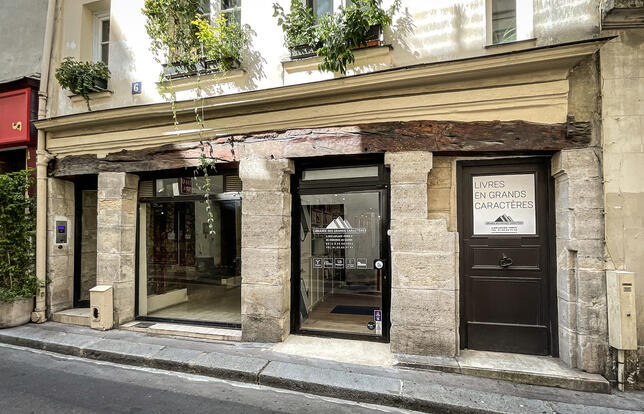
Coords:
17,247
184,35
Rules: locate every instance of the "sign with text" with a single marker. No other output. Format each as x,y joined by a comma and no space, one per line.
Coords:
338,234
504,204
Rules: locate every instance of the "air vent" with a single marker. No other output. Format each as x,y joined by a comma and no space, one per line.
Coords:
146,189
232,183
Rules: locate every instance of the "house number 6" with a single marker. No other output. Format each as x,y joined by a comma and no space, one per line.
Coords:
16,125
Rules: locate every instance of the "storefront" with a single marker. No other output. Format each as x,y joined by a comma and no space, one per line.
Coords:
189,250
341,221
436,221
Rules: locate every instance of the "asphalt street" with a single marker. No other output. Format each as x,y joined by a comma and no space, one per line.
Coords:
39,382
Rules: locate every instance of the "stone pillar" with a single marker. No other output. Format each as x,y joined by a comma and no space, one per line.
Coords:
60,257
116,239
424,312
266,249
581,289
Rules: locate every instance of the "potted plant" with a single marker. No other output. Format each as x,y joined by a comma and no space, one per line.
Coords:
334,36
18,284
83,78
299,29
186,42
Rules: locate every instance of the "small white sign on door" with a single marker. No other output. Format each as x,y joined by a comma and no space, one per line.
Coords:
504,204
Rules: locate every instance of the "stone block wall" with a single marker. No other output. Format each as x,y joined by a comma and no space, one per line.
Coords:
441,191
424,289
266,249
581,286
60,261
116,239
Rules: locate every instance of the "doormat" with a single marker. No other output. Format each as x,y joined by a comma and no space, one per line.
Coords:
355,310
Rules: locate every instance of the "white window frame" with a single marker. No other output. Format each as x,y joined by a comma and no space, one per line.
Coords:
230,10
99,18
524,21
334,6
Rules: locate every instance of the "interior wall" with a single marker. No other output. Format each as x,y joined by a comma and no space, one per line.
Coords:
88,243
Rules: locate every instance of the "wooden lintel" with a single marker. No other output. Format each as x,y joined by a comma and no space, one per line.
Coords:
435,136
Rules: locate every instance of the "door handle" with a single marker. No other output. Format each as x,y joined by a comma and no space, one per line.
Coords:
505,261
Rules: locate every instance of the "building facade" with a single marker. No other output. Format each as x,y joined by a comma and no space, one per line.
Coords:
456,189
22,44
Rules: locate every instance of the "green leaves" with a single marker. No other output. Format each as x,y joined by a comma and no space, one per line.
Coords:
298,25
82,78
334,35
169,25
223,42
17,244
182,34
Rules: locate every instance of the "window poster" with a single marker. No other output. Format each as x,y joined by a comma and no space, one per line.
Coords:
504,204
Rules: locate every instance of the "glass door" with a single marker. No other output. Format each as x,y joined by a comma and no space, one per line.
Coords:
343,261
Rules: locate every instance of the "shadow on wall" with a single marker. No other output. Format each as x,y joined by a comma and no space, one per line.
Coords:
572,20
252,63
399,33
458,20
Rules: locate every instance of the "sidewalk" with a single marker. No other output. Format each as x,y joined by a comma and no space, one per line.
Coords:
430,391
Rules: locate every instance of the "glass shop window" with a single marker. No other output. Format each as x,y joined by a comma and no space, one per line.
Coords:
190,250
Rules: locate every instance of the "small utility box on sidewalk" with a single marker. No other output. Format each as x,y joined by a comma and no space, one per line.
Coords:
101,299
622,319
622,325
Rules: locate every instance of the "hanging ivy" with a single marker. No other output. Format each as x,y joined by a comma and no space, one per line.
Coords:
82,78
182,33
333,36
17,244
172,34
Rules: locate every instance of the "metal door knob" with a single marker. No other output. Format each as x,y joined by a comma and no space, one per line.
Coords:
505,261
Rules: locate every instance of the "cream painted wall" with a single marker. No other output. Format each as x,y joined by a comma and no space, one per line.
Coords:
422,31
622,69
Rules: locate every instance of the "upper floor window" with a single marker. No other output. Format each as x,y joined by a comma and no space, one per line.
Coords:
102,36
231,9
509,20
504,21
320,7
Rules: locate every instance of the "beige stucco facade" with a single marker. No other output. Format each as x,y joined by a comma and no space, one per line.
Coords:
623,157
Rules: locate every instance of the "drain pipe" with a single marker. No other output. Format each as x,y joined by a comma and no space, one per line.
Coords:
39,314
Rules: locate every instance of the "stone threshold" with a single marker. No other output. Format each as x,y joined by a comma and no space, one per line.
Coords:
190,331
74,316
518,368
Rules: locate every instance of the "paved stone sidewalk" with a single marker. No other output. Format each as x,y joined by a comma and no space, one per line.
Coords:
258,363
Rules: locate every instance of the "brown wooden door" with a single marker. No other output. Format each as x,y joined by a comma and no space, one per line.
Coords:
505,229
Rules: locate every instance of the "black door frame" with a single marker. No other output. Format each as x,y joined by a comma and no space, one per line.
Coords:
551,243
82,183
224,169
364,184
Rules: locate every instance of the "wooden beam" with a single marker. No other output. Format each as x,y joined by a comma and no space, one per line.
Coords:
435,136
